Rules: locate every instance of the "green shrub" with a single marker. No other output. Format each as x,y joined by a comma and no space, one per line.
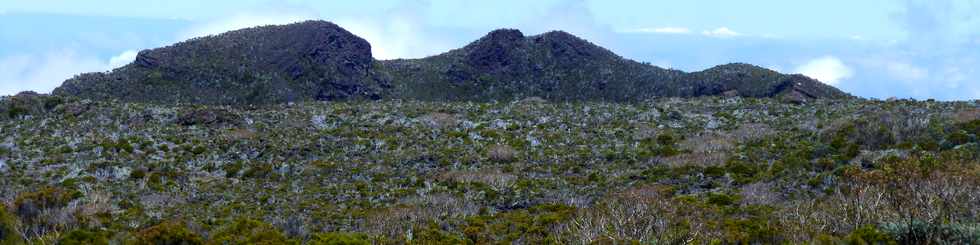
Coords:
30,204
531,225
664,146
972,127
168,233
752,230
869,235
84,237
434,235
8,223
248,231
338,238
721,199
198,150
137,174
261,170
232,169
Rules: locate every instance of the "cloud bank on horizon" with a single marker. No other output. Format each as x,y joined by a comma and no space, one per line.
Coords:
911,48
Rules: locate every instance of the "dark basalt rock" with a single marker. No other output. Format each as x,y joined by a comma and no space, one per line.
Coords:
501,50
145,59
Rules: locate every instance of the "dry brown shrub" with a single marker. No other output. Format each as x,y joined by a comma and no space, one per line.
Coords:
965,116
532,100
501,153
752,131
710,148
759,193
645,214
849,207
418,211
238,134
492,177
441,120
645,131
709,142
695,159
898,195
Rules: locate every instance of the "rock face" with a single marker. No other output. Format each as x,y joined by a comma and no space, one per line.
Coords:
318,60
271,64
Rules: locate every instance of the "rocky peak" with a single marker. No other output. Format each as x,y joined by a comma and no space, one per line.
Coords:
503,49
267,64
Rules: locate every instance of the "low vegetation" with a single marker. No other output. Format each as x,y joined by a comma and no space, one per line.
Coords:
699,170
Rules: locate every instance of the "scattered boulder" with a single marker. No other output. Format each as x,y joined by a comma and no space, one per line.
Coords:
794,97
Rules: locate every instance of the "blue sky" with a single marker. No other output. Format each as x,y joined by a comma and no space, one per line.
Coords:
871,48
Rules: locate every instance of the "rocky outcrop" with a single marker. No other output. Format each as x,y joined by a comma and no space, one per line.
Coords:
271,64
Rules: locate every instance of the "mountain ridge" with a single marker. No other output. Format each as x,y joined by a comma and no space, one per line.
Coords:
319,60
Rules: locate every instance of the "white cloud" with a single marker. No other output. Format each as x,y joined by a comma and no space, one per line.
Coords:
241,21
659,30
828,69
122,59
43,72
772,36
895,68
721,32
395,37
905,71
400,32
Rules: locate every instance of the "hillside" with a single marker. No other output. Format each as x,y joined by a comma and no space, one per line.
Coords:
270,64
506,65
707,170
318,60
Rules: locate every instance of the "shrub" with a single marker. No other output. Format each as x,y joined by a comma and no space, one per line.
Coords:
248,231
30,204
532,225
753,230
138,174
261,170
645,215
721,199
434,235
84,237
869,234
338,238
8,224
232,169
925,233
502,153
168,233
663,146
